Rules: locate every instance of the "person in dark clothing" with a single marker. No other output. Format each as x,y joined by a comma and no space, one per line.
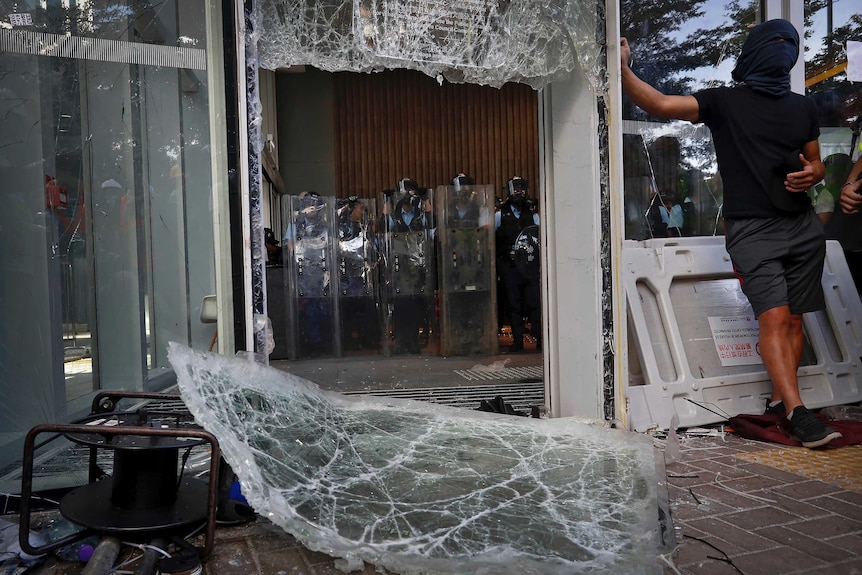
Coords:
766,143
465,211
518,263
408,227
412,211
357,264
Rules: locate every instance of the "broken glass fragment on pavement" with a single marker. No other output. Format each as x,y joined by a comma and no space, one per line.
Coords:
417,487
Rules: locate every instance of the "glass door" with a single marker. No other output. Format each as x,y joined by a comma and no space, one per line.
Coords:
106,161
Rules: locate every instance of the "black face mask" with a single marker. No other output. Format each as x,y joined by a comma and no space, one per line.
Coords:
518,201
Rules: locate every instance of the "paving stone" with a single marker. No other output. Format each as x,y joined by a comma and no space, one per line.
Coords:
817,548
808,489
778,475
849,496
851,543
721,470
731,539
717,493
850,568
756,518
801,509
827,527
837,506
783,561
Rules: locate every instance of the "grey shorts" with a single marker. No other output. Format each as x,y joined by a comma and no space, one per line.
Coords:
779,261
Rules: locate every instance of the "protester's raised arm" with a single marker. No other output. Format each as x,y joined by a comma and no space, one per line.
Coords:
651,100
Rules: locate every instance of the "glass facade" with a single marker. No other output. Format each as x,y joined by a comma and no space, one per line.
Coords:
829,24
106,155
670,168
671,183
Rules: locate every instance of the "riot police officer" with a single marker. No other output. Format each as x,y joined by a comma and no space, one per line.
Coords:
518,262
408,229
466,268
308,261
465,212
357,261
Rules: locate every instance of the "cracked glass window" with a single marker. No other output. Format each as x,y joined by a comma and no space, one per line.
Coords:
487,42
422,488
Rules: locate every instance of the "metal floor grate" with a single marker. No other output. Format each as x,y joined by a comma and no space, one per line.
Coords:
532,372
520,395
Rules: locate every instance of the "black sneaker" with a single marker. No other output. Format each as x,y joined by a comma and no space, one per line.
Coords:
777,409
810,430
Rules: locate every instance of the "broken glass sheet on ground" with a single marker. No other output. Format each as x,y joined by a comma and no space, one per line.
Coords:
422,488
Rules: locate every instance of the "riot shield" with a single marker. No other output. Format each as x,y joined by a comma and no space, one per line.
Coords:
357,257
467,275
408,274
309,255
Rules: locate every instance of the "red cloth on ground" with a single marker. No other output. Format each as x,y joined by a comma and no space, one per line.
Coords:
775,428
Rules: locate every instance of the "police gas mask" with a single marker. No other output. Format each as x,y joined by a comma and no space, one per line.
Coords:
463,197
519,201
517,190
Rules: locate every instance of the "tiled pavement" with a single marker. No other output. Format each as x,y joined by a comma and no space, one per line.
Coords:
738,507
754,508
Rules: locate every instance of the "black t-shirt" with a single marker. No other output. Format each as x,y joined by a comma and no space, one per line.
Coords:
757,138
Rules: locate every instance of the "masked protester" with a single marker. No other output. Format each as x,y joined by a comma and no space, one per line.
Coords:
766,143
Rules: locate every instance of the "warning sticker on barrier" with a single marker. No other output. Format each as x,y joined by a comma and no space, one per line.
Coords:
736,339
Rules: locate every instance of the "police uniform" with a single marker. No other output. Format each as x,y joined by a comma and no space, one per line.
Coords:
518,262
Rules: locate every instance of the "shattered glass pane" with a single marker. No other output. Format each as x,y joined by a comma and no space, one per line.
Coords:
488,42
422,488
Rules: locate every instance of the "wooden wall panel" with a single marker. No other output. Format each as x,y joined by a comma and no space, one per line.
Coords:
401,123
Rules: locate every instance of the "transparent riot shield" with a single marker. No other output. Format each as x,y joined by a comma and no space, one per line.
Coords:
357,256
406,237
309,254
468,286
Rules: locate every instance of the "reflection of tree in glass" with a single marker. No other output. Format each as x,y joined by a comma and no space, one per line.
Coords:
832,48
678,55
670,52
839,102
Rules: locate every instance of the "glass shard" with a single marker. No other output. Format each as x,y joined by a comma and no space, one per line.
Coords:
422,488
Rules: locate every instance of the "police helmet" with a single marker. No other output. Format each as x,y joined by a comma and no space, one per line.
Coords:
407,185
516,184
462,180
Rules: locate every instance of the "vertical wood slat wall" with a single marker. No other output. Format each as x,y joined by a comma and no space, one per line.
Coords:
403,124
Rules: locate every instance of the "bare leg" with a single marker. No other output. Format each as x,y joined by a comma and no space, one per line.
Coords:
781,348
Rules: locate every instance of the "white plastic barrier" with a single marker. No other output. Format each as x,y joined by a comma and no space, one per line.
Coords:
683,298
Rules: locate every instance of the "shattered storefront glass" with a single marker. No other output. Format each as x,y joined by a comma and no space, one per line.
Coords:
421,488
487,42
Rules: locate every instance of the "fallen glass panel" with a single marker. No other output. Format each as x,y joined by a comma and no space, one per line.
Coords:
422,488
